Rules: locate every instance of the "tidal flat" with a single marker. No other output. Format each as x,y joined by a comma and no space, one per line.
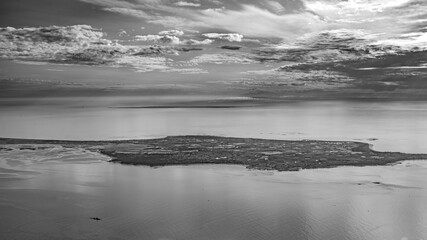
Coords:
261,154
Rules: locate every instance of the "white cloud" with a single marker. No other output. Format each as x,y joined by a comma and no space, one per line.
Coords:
256,22
407,42
197,42
276,19
79,44
232,37
46,42
187,4
357,6
158,38
123,33
172,33
145,38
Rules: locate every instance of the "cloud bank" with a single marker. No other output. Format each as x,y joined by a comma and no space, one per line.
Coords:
79,44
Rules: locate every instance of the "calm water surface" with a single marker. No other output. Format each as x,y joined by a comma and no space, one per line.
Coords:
53,193
399,126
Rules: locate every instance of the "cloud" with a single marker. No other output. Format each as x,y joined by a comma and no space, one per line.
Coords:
231,47
129,12
354,6
188,70
198,42
153,50
145,38
416,41
263,19
187,4
232,37
296,79
256,22
286,20
84,45
45,42
158,38
172,33
220,59
172,22
374,16
173,40
79,44
112,3
143,64
123,33
339,45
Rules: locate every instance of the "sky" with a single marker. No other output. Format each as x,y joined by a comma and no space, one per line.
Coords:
302,49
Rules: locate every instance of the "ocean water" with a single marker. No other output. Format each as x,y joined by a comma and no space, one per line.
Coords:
54,193
389,126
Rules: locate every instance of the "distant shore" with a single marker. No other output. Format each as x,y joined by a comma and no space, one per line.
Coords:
281,155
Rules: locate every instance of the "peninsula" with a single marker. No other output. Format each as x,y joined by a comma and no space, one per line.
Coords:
281,155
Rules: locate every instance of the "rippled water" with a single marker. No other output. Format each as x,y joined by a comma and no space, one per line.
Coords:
54,192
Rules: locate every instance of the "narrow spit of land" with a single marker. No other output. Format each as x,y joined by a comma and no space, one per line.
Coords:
263,154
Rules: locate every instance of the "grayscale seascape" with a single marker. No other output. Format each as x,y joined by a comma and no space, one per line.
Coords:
213,119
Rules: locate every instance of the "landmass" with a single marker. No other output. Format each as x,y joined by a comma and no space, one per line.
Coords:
281,155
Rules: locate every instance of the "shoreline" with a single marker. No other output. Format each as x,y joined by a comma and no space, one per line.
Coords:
261,154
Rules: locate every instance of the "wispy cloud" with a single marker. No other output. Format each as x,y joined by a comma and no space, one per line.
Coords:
256,22
286,20
220,59
129,11
187,4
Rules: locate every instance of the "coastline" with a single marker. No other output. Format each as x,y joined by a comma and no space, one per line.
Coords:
261,154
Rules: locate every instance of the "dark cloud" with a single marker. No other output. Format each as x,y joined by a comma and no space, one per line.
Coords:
229,47
385,73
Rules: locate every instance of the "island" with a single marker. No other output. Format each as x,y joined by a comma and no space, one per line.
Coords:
263,154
